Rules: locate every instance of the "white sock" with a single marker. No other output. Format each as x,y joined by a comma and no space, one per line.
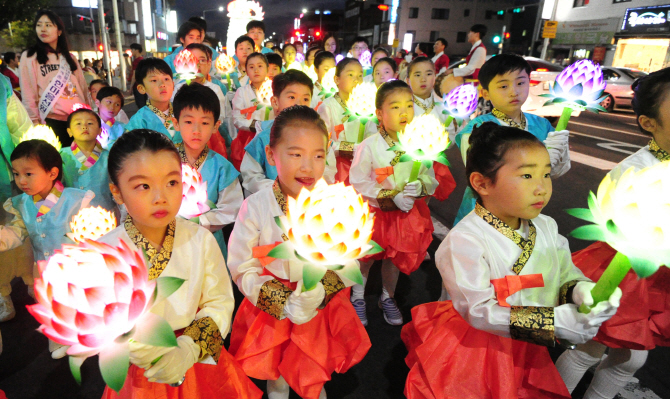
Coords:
615,372
358,290
385,294
278,389
572,364
322,394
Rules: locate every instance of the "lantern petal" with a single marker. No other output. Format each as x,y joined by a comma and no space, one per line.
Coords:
311,275
153,330
114,365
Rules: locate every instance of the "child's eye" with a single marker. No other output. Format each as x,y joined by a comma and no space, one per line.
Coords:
142,186
547,175
527,176
503,87
173,183
320,157
294,155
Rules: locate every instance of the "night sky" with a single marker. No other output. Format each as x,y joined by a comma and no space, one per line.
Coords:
278,17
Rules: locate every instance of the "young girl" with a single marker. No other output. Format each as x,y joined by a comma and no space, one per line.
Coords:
348,74
289,55
402,220
375,57
245,114
281,334
643,321
43,212
513,286
384,70
324,61
201,309
49,67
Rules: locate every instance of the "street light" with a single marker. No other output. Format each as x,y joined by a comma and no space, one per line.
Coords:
304,11
220,9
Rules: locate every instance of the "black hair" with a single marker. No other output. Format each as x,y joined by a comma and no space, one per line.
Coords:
489,142
287,45
321,56
296,115
313,48
83,111
256,24
292,76
258,55
196,96
389,87
343,64
389,61
358,39
136,46
200,21
650,91
328,36
41,151
274,59
380,50
500,65
97,82
109,91
62,47
151,64
135,141
419,60
8,56
186,28
204,48
242,39
443,41
481,29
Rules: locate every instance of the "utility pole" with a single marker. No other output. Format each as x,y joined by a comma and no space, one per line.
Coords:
546,40
119,44
95,41
105,45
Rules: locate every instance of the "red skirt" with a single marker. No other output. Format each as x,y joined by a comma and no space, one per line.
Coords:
450,359
343,166
305,355
218,144
226,379
404,236
237,147
643,319
446,181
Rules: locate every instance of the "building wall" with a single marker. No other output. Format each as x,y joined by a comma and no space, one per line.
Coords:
599,9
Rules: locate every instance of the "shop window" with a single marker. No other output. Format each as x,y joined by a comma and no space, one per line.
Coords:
580,3
440,13
434,35
413,12
609,74
466,12
461,37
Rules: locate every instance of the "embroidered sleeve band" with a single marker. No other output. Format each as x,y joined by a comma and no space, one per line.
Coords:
347,149
532,324
385,200
333,284
565,293
273,297
206,334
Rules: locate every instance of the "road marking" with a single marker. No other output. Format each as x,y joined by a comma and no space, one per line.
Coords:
608,129
604,139
615,147
441,230
591,161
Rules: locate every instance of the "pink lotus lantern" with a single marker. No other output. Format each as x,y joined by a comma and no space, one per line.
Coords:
95,298
194,194
225,65
186,65
91,223
299,57
460,103
366,59
338,58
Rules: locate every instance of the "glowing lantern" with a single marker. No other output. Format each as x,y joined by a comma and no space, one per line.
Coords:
186,65
95,298
299,58
361,106
338,58
423,141
91,223
295,65
194,200
77,106
103,137
632,215
42,132
265,91
366,59
328,228
311,72
225,65
579,86
240,13
460,103
328,86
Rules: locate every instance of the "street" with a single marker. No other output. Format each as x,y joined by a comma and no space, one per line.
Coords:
597,143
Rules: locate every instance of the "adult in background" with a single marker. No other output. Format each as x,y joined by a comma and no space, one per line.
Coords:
136,51
441,60
330,44
51,79
475,59
10,68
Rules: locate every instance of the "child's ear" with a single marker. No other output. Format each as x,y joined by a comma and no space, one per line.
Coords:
69,132
378,112
116,193
217,125
274,101
269,155
480,183
97,103
53,173
141,89
485,94
647,123
175,123
337,80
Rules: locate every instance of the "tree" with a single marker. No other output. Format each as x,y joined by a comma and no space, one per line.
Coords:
20,10
22,35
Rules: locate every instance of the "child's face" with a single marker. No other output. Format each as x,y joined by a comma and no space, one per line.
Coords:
508,92
257,70
300,157
158,86
258,35
83,128
522,188
376,57
293,94
94,90
196,127
383,73
152,195
397,111
350,77
289,55
32,178
273,70
108,107
357,49
243,50
659,127
193,36
204,62
422,79
326,65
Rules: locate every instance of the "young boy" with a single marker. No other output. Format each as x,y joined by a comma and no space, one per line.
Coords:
189,32
358,47
154,78
109,101
256,31
274,64
93,89
85,161
505,82
288,89
197,117
324,61
244,47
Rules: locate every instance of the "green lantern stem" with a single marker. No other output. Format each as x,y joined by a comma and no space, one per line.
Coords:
565,118
609,281
228,79
267,113
361,132
448,121
414,174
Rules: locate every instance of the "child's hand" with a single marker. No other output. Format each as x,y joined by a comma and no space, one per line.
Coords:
301,306
142,355
403,202
412,189
172,367
602,312
572,326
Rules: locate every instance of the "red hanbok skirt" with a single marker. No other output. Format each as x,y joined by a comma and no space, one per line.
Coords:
218,144
343,166
237,147
446,181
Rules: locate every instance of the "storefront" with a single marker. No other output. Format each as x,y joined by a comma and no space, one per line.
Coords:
644,39
592,39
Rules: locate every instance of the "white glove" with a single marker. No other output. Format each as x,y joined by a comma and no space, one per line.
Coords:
172,367
604,310
412,189
142,355
572,326
404,203
301,306
559,152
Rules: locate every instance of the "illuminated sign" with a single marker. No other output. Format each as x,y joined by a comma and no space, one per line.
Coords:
146,15
647,18
85,3
171,22
652,19
161,35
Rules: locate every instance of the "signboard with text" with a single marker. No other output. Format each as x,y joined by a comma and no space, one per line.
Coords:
594,32
549,29
653,19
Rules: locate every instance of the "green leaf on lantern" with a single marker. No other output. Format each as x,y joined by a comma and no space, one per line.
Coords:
195,220
211,204
547,103
311,275
406,158
336,267
353,274
559,100
114,365
442,158
581,102
581,213
396,147
279,223
75,367
576,90
375,120
352,118
612,227
166,286
282,251
542,95
427,163
376,248
643,267
297,255
153,330
591,232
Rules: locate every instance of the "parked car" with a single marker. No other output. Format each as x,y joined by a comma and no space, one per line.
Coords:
619,91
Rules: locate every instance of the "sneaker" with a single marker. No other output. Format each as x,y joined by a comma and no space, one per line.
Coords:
7,311
392,314
359,307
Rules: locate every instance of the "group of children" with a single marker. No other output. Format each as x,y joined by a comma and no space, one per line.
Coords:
513,287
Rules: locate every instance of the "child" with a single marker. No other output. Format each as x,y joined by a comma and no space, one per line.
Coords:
403,227
244,47
189,32
245,114
376,55
154,78
324,61
43,212
311,54
505,82
109,101
202,306
344,135
358,47
642,320
274,64
85,161
93,89
196,110
513,286
281,334
289,55
290,88
256,31
384,70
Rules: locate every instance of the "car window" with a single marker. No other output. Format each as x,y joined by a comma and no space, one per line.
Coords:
544,66
634,73
609,74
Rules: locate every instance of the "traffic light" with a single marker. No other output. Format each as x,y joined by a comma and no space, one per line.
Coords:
496,39
317,34
297,33
100,47
506,35
501,12
383,7
518,10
